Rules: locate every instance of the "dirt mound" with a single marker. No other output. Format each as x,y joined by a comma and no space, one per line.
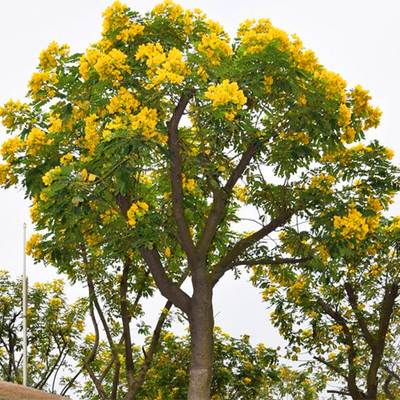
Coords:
10,391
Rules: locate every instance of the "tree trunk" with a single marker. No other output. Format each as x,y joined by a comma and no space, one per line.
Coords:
201,320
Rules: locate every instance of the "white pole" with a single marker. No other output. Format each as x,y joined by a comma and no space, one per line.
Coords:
24,312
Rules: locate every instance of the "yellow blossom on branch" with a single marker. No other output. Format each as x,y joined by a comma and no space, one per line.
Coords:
226,93
32,246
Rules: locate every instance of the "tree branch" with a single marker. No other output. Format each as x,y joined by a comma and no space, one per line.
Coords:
339,392
227,262
176,178
392,373
351,353
91,356
360,319
386,389
168,289
129,364
151,348
334,368
221,197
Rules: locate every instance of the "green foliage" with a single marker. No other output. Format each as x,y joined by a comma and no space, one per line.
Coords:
54,331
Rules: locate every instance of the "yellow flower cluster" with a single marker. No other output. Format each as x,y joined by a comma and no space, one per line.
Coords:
146,122
115,17
92,134
168,8
10,147
124,102
376,270
162,67
136,211
354,225
50,176
226,93
36,141
215,48
336,329
116,124
107,65
257,36
242,193
298,285
344,115
322,181
130,32
153,53
9,112
360,98
66,159
374,204
333,84
39,79
389,153
32,246
296,136
361,107
108,216
304,59
268,81
348,134
34,211
6,176
322,253
188,184
55,123
48,58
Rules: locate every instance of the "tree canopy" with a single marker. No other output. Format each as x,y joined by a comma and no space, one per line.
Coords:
149,147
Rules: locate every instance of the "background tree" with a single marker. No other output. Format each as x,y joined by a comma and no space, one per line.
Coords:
54,331
342,304
165,122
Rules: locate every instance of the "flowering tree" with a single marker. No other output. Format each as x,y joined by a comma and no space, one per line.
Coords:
342,305
54,328
148,145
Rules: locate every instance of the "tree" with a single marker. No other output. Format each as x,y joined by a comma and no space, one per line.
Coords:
54,329
171,129
342,305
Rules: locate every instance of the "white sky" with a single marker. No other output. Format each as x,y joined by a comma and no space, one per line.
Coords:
357,38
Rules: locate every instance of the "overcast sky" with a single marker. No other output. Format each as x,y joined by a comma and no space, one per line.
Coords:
358,39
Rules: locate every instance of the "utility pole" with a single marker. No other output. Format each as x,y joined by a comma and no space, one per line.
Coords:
24,315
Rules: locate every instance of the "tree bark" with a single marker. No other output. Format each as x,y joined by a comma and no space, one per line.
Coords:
201,320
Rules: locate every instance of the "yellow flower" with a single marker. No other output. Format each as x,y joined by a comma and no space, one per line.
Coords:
168,252
51,175
354,225
226,93
107,65
344,115
32,246
136,211
48,58
38,81
268,81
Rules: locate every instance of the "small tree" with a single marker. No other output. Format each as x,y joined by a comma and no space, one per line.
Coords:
172,128
54,330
